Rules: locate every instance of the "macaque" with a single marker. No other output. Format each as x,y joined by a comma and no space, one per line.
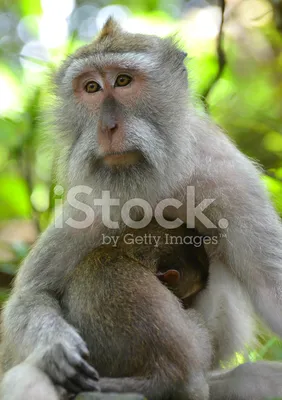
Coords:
131,141
139,337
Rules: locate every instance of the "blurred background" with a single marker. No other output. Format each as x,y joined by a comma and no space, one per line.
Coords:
235,61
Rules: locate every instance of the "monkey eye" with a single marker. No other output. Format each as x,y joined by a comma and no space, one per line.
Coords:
123,80
92,87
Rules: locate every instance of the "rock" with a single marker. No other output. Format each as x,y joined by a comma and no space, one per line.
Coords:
109,396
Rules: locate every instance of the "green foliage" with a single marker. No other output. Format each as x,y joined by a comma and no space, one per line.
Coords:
246,101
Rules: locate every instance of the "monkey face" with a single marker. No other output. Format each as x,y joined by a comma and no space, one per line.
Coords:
112,95
119,101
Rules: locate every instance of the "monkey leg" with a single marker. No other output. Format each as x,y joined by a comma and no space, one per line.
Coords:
249,381
24,382
158,388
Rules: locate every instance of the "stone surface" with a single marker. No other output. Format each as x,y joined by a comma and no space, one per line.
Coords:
109,396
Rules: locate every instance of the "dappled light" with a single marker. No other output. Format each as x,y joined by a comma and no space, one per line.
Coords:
244,97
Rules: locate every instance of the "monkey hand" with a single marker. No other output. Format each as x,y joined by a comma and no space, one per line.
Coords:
65,363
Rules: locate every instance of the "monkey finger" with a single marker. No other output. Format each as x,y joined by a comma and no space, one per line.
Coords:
80,364
62,369
83,350
80,345
72,387
88,370
85,384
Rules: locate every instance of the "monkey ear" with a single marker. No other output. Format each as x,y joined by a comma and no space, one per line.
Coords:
183,54
171,277
110,28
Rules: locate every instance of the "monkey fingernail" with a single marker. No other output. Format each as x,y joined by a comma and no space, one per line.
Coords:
85,352
88,370
91,385
85,384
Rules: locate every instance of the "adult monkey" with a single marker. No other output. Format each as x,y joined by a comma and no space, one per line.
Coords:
122,105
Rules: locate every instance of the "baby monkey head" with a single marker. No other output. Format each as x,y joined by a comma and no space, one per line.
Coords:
119,100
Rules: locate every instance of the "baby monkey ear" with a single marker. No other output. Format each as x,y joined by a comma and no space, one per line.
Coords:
170,278
110,28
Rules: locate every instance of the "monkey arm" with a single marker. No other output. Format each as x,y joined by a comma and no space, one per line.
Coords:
251,245
225,306
36,333
33,321
33,325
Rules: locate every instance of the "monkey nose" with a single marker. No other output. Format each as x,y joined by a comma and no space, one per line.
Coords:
109,127
113,127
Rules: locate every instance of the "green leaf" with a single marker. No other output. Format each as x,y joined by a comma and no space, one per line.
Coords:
31,7
13,198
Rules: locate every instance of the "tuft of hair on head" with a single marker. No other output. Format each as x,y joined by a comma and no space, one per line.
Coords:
110,28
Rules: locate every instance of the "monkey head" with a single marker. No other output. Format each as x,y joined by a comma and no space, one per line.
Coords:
184,270
119,100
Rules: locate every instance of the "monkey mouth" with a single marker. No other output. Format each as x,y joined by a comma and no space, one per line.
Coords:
124,158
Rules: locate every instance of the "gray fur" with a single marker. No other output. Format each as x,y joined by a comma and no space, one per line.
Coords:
249,381
180,148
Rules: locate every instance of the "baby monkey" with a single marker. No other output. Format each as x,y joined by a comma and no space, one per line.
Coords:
120,307
184,273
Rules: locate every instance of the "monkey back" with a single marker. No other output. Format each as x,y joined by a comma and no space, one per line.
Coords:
132,324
